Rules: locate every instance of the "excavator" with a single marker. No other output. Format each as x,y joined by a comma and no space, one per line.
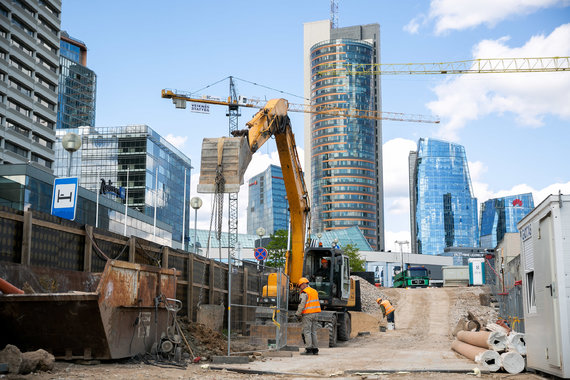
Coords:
223,164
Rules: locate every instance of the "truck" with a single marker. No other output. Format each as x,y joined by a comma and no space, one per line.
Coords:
412,277
223,164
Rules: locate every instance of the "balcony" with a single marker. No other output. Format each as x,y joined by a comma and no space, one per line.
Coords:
24,16
50,16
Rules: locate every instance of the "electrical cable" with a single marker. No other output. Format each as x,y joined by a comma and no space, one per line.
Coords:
272,89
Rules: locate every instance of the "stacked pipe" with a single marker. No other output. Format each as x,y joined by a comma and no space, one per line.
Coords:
492,350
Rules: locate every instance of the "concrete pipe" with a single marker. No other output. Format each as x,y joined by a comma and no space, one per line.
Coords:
516,342
486,339
486,359
512,362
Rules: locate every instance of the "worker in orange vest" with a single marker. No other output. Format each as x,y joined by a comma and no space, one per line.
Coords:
307,311
387,310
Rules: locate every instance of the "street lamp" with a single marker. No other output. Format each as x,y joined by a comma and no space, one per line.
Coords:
195,203
401,243
71,142
260,232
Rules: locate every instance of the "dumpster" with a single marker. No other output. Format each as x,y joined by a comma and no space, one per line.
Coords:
124,311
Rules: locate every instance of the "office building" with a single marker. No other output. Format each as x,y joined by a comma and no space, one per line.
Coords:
443,208
267,203
500,216
343,156
154,174
29,69
77,85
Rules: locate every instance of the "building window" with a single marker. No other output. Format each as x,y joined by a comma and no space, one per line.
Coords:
531,301
20,24
3,11
21,46
42,161
9,146
42,141
25,7
47,45
45,103
17,107
23,89
47,25
43,121
44,82
17,128
46,64
20,66
49,8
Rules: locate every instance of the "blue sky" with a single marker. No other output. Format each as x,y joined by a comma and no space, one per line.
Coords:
515,127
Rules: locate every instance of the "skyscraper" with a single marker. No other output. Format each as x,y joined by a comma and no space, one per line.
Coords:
77,85
29,68
343,156
267,203
155,170
443,208
501,215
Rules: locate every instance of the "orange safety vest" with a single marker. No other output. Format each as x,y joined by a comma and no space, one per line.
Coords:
387,306
313,305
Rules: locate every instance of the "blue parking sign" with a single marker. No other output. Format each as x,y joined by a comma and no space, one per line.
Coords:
64,198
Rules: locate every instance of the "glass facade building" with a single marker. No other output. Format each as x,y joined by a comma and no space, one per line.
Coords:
501,215
267,204
77,86
444,209
154,173
343,151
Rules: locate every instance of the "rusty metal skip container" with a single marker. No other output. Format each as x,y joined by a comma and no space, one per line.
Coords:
124,316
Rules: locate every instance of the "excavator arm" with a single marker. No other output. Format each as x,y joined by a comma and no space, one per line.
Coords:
272,120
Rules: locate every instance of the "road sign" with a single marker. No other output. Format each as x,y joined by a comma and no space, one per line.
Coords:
260,253
64,198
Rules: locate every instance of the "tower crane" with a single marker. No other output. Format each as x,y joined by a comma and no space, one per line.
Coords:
472,66
180,99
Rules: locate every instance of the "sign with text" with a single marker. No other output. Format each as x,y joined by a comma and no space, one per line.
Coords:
64,197
199,107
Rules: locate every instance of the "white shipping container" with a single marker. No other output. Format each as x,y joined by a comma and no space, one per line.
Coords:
455,275
545,270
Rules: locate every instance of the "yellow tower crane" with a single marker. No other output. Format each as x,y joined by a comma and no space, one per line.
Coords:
472,66
181,98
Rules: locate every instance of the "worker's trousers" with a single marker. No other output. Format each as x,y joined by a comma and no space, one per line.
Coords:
310,330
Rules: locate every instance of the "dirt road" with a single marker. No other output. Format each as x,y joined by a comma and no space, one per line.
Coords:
420,342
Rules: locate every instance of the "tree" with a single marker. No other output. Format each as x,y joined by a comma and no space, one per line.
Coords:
356,262
276,249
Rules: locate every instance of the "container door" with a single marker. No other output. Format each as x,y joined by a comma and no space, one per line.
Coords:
547,285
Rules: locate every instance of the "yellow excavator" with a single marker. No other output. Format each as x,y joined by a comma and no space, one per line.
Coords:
223,164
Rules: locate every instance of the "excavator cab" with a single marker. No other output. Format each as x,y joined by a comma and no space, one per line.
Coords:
328,272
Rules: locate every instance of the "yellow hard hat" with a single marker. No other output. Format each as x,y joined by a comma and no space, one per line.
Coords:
379,300
302,281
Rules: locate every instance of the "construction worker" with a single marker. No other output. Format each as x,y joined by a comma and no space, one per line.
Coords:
387,310
307,311
324,270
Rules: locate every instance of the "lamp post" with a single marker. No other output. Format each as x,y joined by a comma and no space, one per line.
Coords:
195,203
71,142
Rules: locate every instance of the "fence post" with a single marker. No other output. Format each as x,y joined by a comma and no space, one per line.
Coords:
165,253
88,249
132,249
211,283
27,238
244,309
190,295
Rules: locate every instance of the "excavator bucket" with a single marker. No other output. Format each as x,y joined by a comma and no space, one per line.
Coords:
228,156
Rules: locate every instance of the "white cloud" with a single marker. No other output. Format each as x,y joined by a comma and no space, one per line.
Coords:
463,14
177,141
413,26
395,161
529,97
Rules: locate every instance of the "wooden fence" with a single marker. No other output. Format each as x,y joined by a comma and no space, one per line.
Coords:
34,239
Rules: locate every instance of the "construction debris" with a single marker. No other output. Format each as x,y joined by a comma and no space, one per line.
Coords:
487,359
516,343
27,362
512,362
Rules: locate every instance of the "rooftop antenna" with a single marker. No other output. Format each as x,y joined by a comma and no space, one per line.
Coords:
334,14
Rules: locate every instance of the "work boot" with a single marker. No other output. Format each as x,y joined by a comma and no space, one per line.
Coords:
315,351
308,351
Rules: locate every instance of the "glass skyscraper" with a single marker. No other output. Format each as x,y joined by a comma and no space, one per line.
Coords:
77,85
345,153
501,215
157,172
443,208
267,204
